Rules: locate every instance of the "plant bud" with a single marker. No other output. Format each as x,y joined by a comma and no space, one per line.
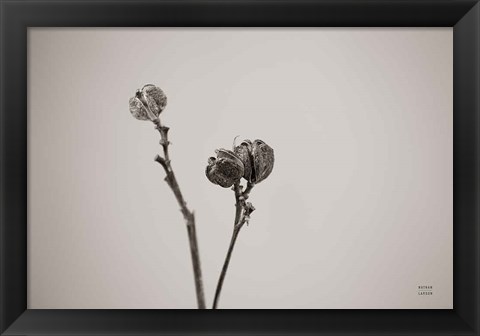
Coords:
148,103
225,170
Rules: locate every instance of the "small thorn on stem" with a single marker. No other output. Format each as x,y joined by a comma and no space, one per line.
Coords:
158,158
163,162
249,208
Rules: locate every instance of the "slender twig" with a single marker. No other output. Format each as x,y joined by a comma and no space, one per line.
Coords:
249,188
243,210
187,214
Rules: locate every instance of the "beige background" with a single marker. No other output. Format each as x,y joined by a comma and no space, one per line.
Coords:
356,214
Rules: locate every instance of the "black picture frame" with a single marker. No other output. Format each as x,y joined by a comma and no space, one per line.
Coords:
18,15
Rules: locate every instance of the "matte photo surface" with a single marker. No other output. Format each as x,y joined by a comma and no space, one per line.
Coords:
357,213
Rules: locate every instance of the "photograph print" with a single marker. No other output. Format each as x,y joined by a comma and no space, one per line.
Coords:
240,168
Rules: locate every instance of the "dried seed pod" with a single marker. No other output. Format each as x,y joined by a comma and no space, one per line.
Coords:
263,159
258,160
148,103
244,153
137,109
251,160
224,170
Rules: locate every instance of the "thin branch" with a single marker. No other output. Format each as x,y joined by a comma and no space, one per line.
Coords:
243,210
249,188
187,214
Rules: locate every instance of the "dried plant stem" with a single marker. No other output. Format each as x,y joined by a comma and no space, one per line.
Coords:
187,214
243,210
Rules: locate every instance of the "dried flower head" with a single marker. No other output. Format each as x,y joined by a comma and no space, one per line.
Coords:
263,160
251,160
224,170
148,103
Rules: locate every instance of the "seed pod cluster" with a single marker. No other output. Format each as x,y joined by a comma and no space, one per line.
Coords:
148,103
251,160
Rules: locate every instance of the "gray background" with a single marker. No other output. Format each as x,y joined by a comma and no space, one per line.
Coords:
356,214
